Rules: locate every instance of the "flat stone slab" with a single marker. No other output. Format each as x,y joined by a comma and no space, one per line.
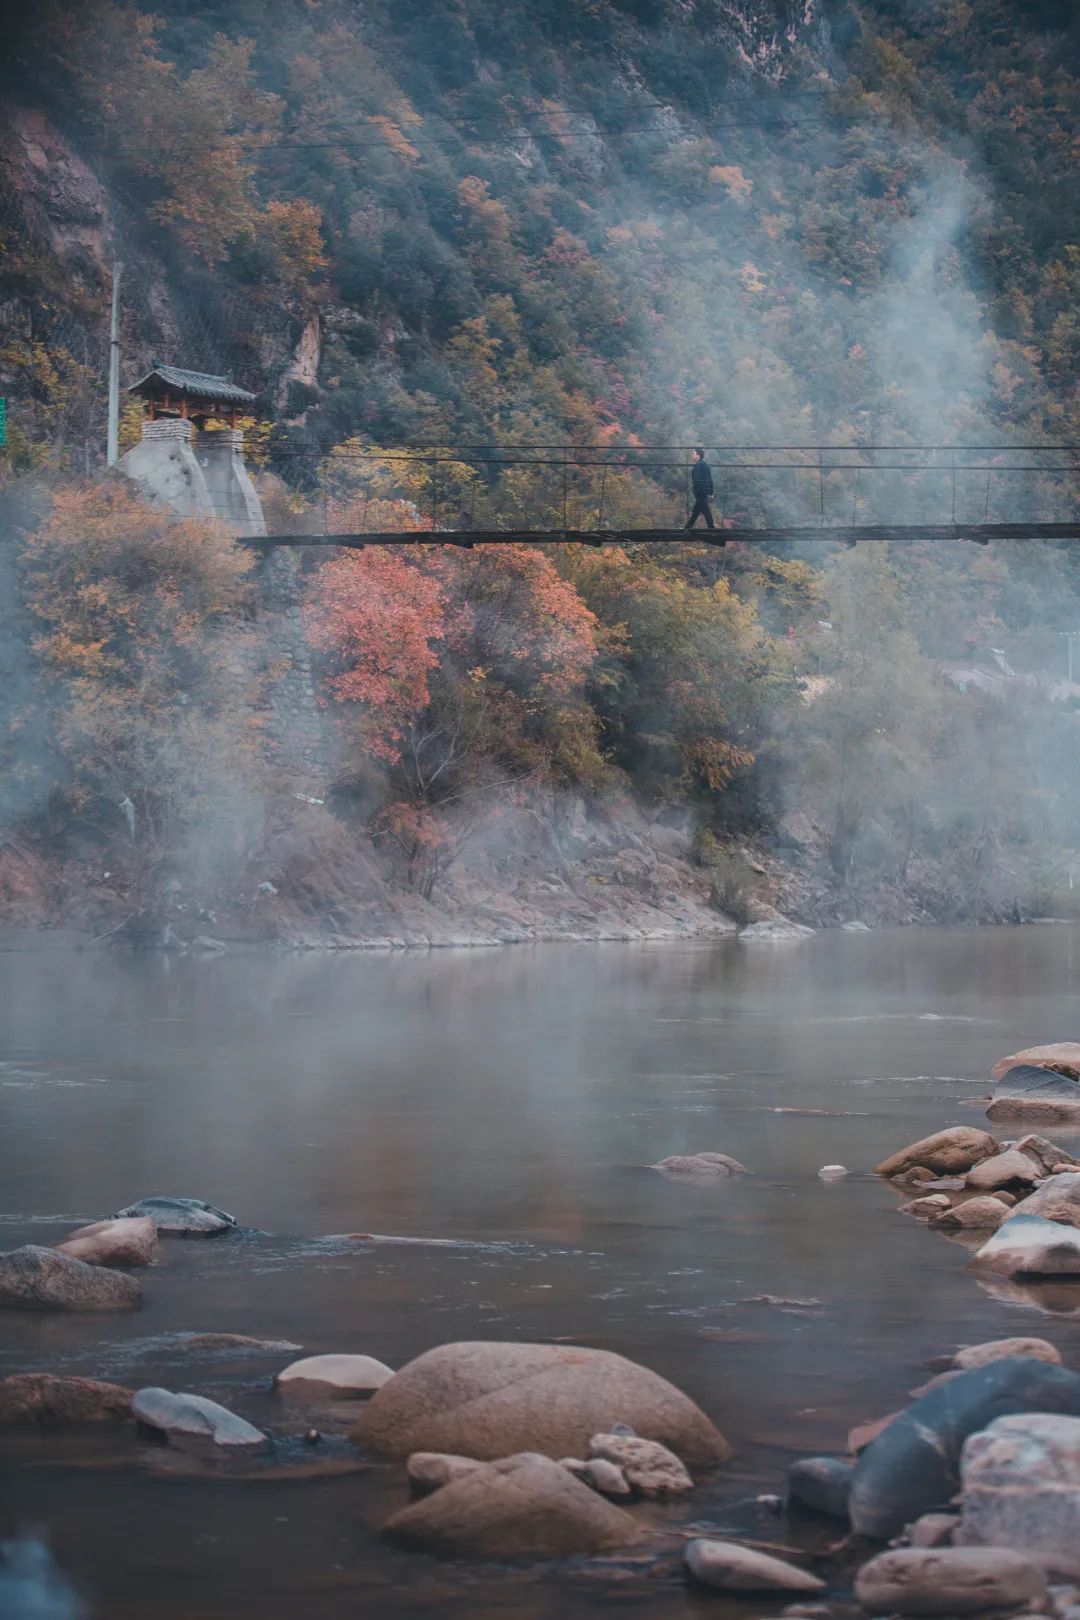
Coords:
356,1376
193,1421
189,1217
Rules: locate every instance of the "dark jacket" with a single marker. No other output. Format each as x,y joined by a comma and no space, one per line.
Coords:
701,479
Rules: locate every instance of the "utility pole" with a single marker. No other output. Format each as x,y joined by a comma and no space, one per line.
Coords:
113,446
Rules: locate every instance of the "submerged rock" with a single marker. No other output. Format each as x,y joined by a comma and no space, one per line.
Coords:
1031,1092
700,1164
340,1375
950,1152
32,1587
186,1216
779,930
193,1421
1061,1056
948,1581
521,1507
50,1398
981,1355
119,1242
1029,1245
649,1468
727,1567
821,1483
974,1214
913,1467
33,1278
489,1399
1021,1489
235,1341
832,1172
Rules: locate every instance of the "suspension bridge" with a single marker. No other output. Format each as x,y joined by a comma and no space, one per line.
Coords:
764,494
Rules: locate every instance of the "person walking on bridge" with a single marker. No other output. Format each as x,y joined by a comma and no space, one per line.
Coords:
702,485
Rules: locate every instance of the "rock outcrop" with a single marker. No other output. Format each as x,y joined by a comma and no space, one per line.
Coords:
50,1398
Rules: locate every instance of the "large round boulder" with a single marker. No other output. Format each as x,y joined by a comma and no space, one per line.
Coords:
50,1398
33,1278
913,1467
183,1217
1063,1057
124,1242
488,1400
525,1506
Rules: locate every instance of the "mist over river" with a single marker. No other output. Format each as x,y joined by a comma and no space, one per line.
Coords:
510,1100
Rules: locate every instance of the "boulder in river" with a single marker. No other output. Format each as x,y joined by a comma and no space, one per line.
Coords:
50,1398
1021,1489
33,1278
521,1507
949,1152
1031,1246
1033,1093
1061,1056
728,1567
949,1581
927,1208
1007,1169
490,1399
700,1164
120,1242
648,1467
981,1355
913,1467
974,1214
1046,1154
821,1483
192,1422
350,1376
185,1217
32,1586
1058,1199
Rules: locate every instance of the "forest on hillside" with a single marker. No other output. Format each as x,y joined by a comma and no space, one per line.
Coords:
474,230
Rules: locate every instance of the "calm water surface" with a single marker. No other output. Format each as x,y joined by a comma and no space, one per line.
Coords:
508,1100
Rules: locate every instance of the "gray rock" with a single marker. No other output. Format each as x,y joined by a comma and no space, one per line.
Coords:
525,1506
779,931
1046,1154
928,1208
649,1468
1021,1489
700,1164
913,1466
188,1216
821,1483
832,1172
981,1355
38,1279
727,1567
1028,1091
1028,1245
192,1422
933,1530
948,1581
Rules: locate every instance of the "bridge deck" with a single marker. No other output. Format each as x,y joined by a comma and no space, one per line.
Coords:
980,533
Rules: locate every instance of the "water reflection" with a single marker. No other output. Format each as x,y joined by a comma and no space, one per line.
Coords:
510,1100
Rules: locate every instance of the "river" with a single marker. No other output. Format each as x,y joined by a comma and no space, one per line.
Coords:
508,1099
